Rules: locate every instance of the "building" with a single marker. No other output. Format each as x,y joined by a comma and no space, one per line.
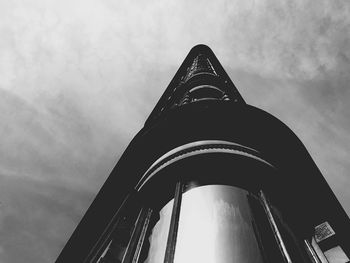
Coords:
210,178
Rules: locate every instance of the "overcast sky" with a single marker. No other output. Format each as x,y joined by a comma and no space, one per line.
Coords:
79,77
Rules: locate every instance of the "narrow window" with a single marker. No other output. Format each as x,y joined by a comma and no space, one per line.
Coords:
274,227
160,240
117,240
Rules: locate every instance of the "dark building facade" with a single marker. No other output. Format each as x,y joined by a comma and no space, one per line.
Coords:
210,178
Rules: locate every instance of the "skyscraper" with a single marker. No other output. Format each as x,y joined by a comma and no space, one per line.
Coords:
210,178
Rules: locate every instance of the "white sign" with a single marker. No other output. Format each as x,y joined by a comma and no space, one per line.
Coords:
323,231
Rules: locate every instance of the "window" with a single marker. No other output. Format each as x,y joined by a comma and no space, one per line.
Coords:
154,252
116,240
206,91
201,223
203,92
216,225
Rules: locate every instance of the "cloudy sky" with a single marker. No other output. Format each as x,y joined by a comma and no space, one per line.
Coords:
79,77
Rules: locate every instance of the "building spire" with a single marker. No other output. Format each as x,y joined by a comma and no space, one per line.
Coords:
200,77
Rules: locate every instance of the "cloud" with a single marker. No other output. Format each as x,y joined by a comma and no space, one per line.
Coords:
53,145
36,218
78,79
287,39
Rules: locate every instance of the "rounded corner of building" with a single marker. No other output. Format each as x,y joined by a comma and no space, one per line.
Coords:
201,48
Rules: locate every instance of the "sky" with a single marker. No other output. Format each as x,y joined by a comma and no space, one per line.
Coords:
79,78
